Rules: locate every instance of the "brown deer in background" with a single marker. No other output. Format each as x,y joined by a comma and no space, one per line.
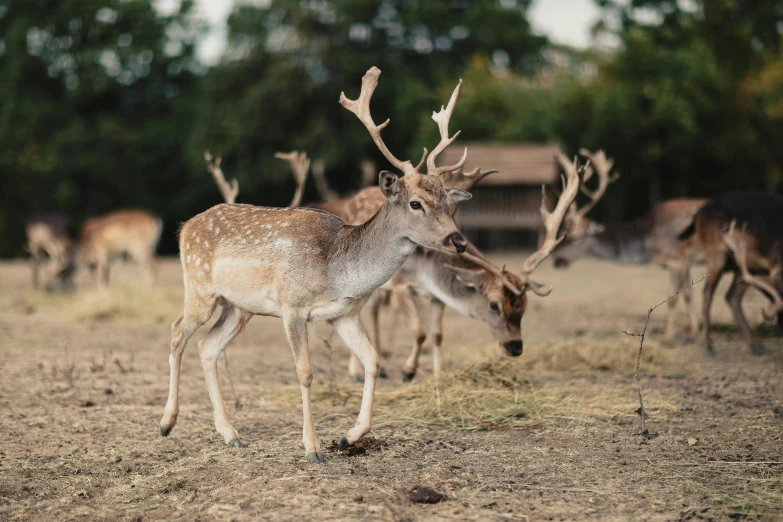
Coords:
649,239
742,233
307,265
51,240
132,232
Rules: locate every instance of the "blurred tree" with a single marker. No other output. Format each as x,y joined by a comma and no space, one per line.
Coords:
88,114
278,85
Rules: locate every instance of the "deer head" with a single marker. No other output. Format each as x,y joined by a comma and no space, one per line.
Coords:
499,296
419,201
579,230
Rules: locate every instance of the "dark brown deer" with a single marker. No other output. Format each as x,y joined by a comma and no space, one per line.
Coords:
649,239
51,240
741,233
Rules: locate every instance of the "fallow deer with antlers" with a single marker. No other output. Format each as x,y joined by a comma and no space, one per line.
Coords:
470,283
742,233
650,239
307,265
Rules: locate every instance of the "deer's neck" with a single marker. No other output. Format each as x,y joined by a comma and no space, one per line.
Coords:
625,243
366,256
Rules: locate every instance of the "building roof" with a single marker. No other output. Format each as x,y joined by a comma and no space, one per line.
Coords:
517,164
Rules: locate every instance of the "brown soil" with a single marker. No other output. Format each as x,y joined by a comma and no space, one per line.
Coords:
551,435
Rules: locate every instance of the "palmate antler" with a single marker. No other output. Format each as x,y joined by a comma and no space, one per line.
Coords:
300,166
736,241
601,166
229,191
552,221
361,108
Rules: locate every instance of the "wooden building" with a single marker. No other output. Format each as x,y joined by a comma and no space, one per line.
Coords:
508,201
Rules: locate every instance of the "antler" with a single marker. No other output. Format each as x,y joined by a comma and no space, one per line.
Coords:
321,185
491,268
736,242
552,221
228,190
602,166
442,119
465,180
361,108
300,165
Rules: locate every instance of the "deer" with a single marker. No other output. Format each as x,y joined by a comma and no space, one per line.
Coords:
470,283
51,241
741,233
134,232
304,265
649,239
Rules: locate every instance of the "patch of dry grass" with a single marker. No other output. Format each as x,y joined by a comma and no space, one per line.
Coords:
115,303
606,355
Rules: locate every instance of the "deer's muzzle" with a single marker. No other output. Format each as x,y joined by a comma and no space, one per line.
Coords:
456,239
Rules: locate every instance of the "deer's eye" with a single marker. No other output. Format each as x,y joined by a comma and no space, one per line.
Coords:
493,305
415,205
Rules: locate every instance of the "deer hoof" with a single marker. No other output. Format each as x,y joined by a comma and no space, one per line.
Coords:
316,458
164,432
344,444
382,374
407,376
758,349
236,443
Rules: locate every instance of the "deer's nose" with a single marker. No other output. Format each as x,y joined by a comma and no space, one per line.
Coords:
457,240
513,348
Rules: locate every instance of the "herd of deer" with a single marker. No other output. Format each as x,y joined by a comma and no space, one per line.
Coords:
398,242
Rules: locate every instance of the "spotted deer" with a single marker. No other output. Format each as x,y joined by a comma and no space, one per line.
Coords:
51,240
649,239
741,233
470,283
305,265
132,232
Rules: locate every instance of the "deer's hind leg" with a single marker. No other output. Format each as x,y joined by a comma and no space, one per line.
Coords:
197,312
232,320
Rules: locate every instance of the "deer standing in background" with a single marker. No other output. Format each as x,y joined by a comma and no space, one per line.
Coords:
51,241
470,283
649,239
306,265
742,233
133,232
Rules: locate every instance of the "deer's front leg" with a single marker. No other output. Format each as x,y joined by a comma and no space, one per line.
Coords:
350,330
436,332
296,331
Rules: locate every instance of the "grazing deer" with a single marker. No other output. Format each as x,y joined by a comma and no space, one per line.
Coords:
51,241
306,265
742,233
649,239
470,283
133,232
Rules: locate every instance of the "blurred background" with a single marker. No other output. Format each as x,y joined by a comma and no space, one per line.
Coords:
110,104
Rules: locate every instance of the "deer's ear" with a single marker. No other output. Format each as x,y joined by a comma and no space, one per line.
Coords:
457,195
469,277
390,183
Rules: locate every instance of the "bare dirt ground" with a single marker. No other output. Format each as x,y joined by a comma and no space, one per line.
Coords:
551,435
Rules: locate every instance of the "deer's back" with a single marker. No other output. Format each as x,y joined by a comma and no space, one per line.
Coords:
668,220
356,209
120,230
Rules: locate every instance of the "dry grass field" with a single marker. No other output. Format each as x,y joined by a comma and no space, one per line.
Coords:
551,435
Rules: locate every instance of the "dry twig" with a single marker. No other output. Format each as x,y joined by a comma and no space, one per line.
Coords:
641,335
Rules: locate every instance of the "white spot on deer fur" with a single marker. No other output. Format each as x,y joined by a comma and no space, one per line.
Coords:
206,244
200,273
206,266
247,232
256,240
284,224
219,213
